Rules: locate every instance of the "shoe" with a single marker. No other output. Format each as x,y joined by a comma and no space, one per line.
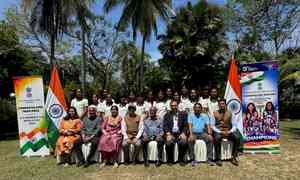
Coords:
194,163
87,164
181,163
66,164
211,163
146,164
116,165
79,164
102,165
158,163
234,161
219,163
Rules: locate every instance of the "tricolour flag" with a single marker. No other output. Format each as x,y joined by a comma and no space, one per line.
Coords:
55,107
233,96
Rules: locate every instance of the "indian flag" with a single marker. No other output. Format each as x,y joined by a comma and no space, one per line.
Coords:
233,96
55,107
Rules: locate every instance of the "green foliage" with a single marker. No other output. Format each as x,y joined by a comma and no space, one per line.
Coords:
8,118
194,48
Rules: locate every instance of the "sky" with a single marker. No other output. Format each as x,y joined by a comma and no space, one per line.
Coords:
151,47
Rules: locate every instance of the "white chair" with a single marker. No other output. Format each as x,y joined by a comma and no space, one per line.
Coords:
131,151
226,149
86,150
200,151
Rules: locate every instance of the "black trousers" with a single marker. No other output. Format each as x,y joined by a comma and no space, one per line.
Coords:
234,137
182,148
160,145
94,145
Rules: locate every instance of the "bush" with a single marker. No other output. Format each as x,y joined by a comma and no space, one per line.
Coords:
8,120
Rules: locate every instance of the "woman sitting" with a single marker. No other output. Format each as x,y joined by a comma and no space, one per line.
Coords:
69,138
111,139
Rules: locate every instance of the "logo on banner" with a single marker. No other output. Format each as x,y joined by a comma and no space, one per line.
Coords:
235,106
29,92
56,111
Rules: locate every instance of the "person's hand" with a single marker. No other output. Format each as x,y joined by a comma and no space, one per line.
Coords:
169,137
192,137
129,141
210,138
158,138
182,136
134,140
145,138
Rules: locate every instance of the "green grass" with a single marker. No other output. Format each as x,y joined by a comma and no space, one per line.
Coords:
283,166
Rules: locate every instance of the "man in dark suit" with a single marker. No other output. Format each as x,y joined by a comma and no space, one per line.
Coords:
175,128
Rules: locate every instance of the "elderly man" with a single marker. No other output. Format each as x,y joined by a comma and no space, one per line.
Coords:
153,131
132,130
90,131
199,128
175,129
225,128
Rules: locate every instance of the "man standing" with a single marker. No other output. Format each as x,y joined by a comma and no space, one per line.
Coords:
90,131
80,104
123,106
175,129
224,128
132,130
199,128
104,108
153,131
169,94
213,101
161,105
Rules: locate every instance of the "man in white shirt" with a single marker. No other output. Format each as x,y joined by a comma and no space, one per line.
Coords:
123,107
213,101
104,109
141,107
81,104
150,101
169,98
161,105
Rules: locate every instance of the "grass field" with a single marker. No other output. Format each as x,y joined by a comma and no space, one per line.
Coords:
252,167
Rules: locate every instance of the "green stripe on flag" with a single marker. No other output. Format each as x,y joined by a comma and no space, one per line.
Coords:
35,147
52,131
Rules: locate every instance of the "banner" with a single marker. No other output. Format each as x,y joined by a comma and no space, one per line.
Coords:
259,83
30,110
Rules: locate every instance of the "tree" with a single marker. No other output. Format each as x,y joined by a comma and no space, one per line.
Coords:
127,55
194,48
266,24
142,15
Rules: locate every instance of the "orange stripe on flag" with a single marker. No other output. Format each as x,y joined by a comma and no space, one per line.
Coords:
234,79
56,87
32,133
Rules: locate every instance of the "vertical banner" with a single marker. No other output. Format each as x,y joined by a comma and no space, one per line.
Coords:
30,110
259,83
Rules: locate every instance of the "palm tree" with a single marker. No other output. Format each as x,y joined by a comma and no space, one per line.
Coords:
50,18
142,15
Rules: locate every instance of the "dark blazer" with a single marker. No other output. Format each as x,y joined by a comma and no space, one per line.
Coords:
182,122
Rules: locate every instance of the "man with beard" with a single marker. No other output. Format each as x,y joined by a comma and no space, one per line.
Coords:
225,128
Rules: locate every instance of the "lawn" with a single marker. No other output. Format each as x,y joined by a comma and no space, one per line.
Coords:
284,166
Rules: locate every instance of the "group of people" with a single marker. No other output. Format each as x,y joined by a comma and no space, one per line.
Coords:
180,118
264,123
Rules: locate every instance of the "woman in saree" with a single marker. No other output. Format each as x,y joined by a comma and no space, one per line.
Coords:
111,139
69,136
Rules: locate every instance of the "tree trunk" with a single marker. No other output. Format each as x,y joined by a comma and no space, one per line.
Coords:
52,50
83,57
141,78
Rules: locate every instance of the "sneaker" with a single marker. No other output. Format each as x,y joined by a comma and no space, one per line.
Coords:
194,163
102,165
116,165
158,163
66,164
234,161
219,163
211,163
